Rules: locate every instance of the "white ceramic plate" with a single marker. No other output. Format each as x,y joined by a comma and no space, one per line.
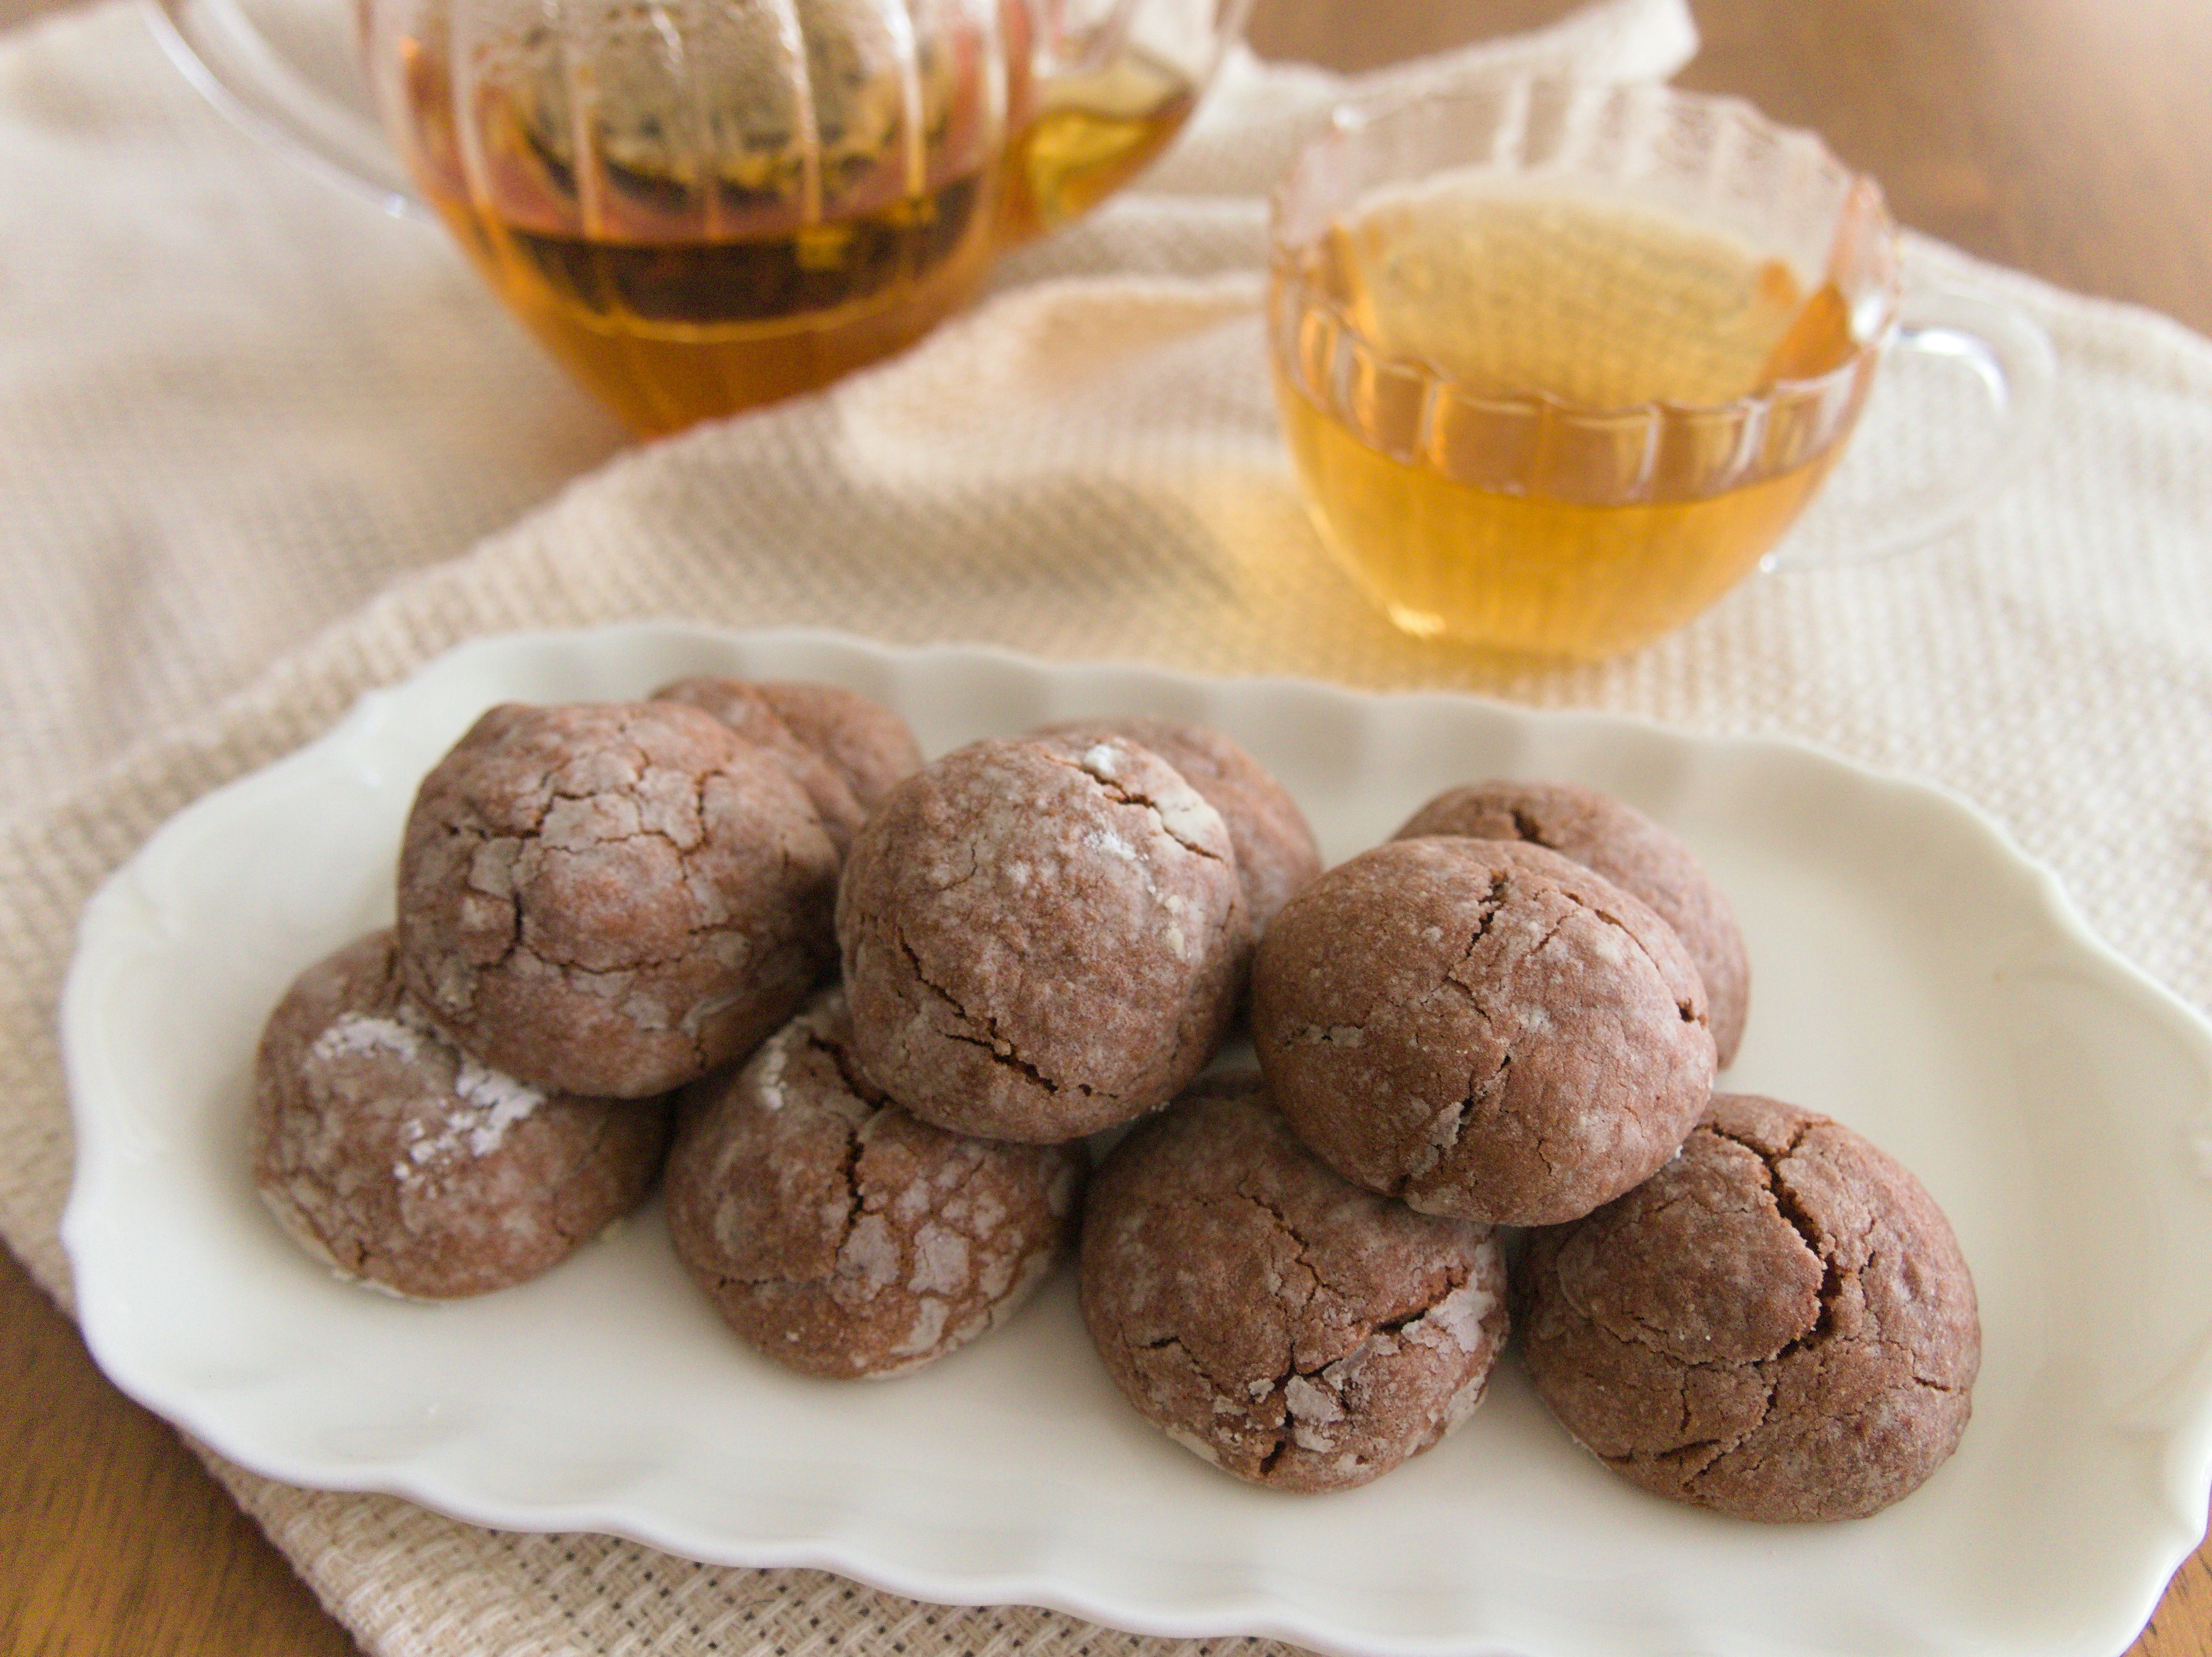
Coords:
1915,976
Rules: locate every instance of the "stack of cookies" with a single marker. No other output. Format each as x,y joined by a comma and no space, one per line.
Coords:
886,1012
597,904
1512,1015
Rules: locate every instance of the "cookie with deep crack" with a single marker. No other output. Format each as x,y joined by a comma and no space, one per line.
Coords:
841,1236
1272,1319
399,1161
845,750
1275,849
1042,937
1628,849
611,898
1482,1028
1779,1325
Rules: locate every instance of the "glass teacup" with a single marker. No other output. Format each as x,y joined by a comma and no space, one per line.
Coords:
1558,366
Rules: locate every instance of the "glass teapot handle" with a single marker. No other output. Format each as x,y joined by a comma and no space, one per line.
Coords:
1104,86
222,53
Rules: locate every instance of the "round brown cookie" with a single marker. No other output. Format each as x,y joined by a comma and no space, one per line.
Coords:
846,751
1779,1325
1280,1323
611,898
1042,937
837,1234
1628,849
397,1159
872,747
1275,849
1482,1028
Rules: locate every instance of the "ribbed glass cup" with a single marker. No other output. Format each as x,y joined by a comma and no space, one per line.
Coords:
1513,516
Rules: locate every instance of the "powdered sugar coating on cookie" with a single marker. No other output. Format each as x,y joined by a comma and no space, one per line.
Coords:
1779,1324
1481,1028
841,1236
1274,1320
1275,850
1040,937
402,1162
611,898
845,750
1631,851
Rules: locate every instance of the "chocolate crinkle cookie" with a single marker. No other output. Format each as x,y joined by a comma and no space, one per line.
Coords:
1482,1028
1275,849
1042,937
402,1162
839,1235
611,898
846,751
1779,1325
1283,1324
1631,851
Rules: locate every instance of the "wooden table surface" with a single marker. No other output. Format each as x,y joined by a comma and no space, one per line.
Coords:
2072,138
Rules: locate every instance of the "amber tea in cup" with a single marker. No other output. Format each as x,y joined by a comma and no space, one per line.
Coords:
1559,367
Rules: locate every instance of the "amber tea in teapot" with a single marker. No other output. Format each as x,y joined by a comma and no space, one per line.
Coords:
699,209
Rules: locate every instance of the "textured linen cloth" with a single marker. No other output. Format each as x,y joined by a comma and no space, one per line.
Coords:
232,404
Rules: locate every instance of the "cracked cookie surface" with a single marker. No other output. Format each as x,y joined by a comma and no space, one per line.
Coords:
1271,1318
1275,849
1779,1325
839,1235
1481,1028
1040,937
1628,849
397,1160
611,898
845,750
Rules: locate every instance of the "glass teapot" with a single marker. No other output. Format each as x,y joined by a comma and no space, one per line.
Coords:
701,206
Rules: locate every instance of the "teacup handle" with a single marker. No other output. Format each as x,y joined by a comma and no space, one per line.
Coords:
2011,356
226,57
